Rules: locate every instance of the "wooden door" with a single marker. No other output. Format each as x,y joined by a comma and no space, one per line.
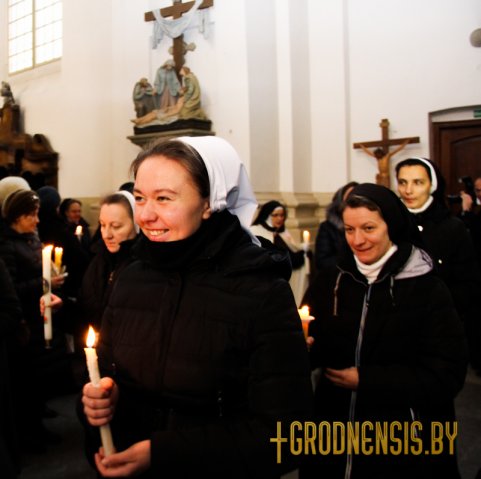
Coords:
456,149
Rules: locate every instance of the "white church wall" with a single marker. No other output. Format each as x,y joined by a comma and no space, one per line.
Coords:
408,58
291,110
329,99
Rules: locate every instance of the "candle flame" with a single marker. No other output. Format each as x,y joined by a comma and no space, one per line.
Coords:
78,230
91,337
304,311
48,248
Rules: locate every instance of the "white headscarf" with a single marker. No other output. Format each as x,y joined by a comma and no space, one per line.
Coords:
131,200
230,187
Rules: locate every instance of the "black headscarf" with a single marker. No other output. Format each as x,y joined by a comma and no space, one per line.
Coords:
400,223
264,214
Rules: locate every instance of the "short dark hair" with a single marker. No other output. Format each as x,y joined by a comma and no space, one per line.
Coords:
185,155
66,204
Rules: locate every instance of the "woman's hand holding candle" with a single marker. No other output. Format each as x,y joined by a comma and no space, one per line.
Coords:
130,462
99,402
56,303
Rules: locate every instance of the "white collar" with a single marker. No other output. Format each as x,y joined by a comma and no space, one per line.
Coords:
371,271
424,207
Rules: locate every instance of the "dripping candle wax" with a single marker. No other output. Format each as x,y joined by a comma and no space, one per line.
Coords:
94,374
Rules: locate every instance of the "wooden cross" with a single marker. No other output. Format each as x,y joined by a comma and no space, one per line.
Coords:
176,11
382,153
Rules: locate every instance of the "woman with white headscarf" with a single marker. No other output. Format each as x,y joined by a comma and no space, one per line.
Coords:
118,232
201,340
421,188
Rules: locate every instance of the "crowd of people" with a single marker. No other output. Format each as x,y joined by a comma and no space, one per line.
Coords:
195,291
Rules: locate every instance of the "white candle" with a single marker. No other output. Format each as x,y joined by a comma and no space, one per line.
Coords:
306,318
94,374
78,232
47,293
306,238
58,258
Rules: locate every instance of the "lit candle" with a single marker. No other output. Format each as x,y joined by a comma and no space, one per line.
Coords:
78,232
94,374
306,318
47,293
58,258
306,238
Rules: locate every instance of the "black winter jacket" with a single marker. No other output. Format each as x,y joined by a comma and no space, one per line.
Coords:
207,348
98,281
404,335
22,254
449,243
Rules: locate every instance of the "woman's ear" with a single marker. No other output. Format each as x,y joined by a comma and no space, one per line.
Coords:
207,212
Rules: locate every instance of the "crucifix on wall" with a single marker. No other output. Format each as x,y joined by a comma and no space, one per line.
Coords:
382,153
176,11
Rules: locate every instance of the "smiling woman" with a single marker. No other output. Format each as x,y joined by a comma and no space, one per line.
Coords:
387,338
201,341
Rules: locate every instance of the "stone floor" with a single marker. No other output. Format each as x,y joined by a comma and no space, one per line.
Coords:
66,460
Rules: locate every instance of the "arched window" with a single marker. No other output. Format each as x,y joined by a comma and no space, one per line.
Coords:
34,33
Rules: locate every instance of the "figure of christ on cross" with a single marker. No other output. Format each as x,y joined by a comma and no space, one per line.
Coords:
382,153
176,11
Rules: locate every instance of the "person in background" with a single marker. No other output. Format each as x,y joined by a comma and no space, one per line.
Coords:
8,185
54,230
201,342
422,189
389,342
20,249
270,225
330,236
70,211
112,254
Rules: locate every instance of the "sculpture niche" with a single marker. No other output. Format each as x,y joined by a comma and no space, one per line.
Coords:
21,154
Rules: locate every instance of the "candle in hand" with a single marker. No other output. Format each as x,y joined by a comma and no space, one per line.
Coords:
58,258
94,374
47,293
78,232
306,318
306,238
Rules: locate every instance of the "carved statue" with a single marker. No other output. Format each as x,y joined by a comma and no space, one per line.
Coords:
167,86
143,96
187,107
7,94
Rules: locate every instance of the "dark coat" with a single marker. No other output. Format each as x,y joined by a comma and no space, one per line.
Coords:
208,352
10,318
409,346
22,254
330,240
98,281
450,244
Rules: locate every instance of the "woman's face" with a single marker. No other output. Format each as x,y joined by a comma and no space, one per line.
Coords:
26,223
73,213
116,226
366,233
168,207
414,186
278,217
